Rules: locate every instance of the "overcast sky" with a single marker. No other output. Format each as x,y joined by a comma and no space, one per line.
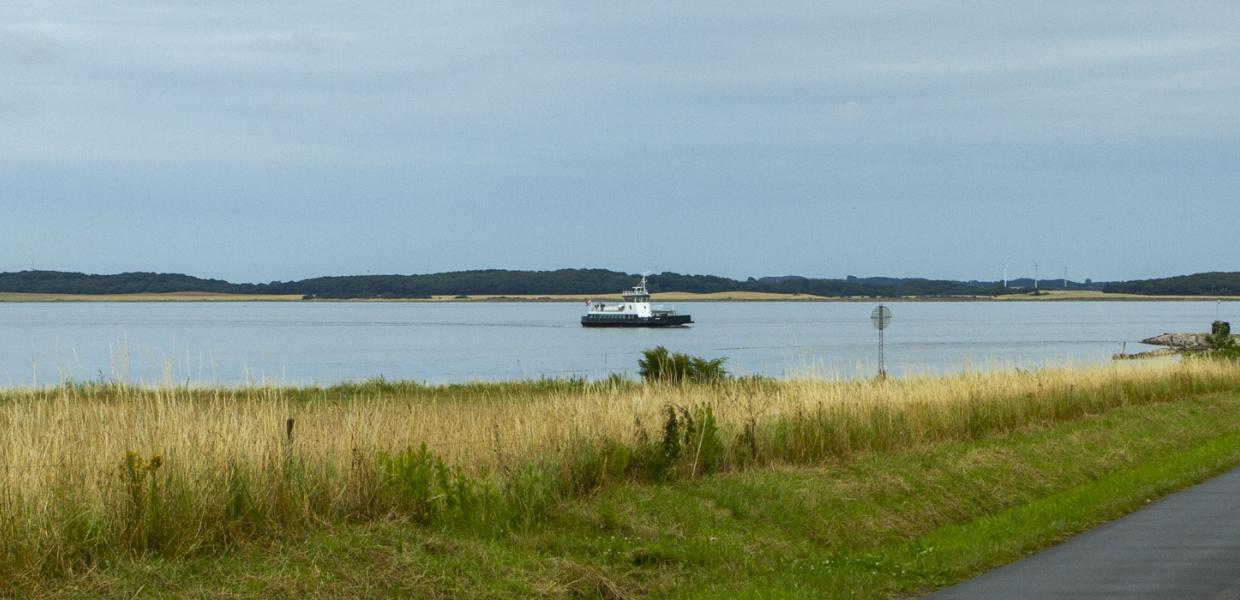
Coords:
279,140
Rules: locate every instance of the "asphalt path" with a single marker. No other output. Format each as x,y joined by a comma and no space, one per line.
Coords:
1186,545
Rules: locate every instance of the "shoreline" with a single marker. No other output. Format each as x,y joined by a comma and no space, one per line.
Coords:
1050,296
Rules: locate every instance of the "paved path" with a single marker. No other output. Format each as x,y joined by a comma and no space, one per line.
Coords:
1187,545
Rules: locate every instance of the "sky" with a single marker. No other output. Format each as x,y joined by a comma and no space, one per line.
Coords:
282,140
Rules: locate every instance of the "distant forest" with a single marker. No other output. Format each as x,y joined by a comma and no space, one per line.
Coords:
1200,284
484,282
586,281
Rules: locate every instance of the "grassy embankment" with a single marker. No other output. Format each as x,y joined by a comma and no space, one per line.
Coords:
803,487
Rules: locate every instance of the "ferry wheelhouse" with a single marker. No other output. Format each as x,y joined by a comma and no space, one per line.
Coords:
635,311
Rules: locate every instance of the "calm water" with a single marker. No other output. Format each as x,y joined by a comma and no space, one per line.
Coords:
450,342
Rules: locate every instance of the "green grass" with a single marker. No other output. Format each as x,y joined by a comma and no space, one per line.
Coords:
882,523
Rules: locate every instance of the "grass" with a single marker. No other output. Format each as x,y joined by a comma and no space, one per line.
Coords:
877,525
101,478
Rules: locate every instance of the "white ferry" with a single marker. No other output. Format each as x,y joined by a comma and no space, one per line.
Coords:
635,311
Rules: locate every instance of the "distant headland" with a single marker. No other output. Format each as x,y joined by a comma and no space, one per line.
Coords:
574,284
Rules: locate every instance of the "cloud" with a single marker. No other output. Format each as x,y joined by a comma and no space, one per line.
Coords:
295,42
18,104
28,48
465,81
850,110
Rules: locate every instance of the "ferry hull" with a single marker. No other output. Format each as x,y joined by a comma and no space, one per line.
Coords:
656,321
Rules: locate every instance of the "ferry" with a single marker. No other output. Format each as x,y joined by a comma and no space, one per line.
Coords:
635,311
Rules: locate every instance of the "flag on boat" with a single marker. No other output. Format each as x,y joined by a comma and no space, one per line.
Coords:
588,303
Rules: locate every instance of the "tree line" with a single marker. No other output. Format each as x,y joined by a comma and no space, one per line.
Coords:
485,282
583,281
1214,283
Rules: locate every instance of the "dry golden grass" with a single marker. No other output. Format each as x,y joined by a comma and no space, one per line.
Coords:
51,433
92,469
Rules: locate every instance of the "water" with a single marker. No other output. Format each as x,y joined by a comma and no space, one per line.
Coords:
309,342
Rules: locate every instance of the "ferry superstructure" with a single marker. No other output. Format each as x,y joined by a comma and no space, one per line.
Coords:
634,311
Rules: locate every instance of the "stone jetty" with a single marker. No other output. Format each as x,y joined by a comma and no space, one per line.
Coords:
1182,341
1185,343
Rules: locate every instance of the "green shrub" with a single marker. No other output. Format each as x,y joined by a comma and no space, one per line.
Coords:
411,478
1220,336
657,364
142,515
1231,352
704,447
528,494
416,483
1222,345
690,444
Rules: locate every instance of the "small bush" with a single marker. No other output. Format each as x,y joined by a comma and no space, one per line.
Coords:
690,444
528,494
1231,352
704,447
1222,345
657,364
418,484
411,479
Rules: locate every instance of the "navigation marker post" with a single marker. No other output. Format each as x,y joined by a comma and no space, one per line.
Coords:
880,318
